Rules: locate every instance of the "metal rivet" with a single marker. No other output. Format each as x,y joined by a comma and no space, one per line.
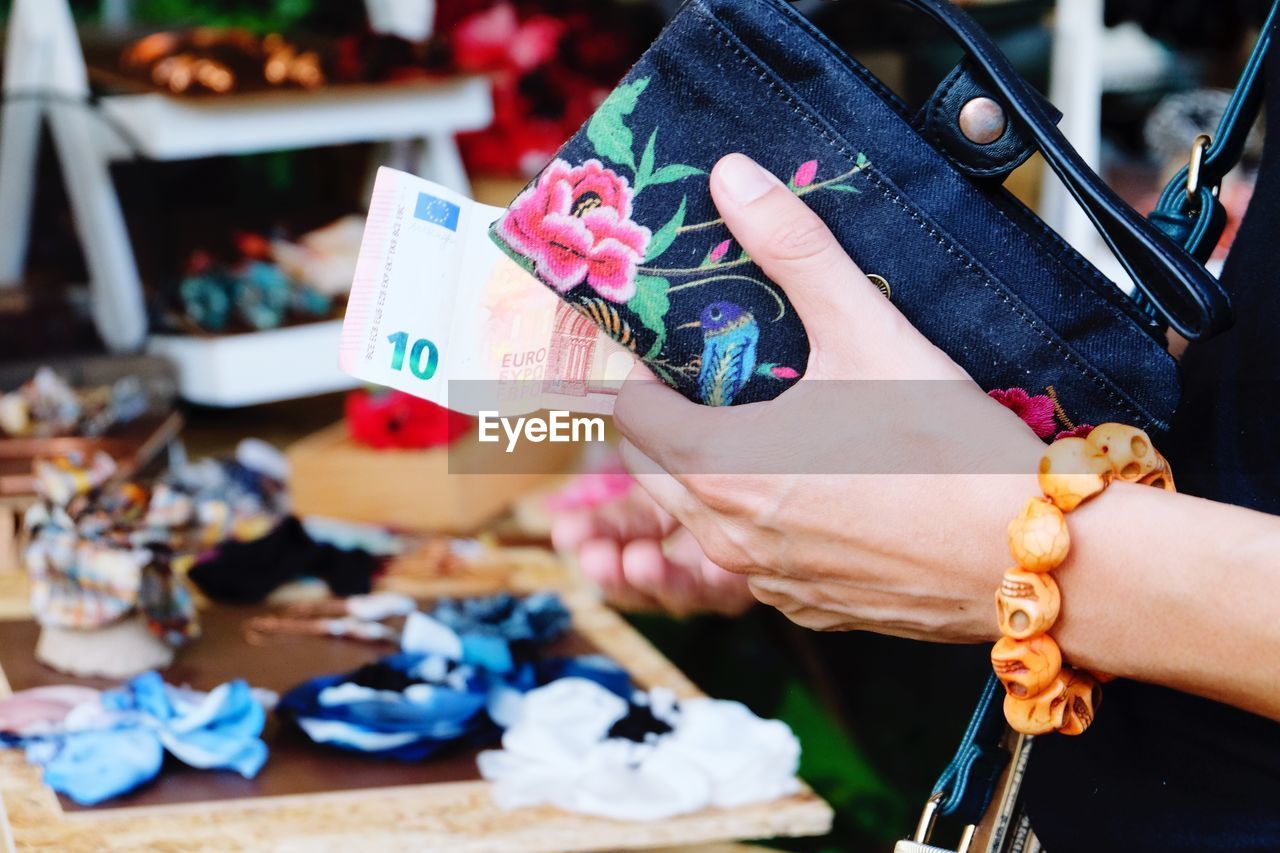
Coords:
982,121
880,282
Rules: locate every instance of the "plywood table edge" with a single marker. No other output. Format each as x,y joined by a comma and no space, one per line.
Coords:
611,634
458,817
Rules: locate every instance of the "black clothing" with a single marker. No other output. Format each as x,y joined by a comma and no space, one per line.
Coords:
1161,770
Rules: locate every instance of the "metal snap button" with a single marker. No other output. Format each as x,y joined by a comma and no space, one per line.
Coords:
882,284
982,121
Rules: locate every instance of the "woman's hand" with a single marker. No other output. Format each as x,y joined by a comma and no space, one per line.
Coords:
644,561
914,548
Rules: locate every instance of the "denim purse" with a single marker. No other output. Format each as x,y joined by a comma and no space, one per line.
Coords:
623,227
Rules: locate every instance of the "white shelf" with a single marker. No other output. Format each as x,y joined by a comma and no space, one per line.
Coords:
171,128
259,367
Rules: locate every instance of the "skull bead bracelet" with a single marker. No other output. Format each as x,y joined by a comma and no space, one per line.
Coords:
1041,693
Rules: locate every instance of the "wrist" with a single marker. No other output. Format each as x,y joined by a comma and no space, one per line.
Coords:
1052,682
1117,607
999,500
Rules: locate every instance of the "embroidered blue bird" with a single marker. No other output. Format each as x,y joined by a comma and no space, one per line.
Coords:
729,338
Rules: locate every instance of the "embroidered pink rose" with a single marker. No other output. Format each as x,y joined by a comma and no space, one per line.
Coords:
575,225
1038,411
718,253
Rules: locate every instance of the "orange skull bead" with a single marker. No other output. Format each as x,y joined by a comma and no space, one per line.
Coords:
1128,449
1081,699
1027,604
1072,471
1038,537
1038,714
1026,667
1161,477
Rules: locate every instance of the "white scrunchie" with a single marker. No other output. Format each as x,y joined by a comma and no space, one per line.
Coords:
558,752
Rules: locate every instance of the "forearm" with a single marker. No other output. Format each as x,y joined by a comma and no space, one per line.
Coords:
1176,591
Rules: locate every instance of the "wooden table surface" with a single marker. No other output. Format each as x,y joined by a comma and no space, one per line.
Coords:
458,817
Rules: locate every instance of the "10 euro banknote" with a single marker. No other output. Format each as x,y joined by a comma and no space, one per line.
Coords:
436,310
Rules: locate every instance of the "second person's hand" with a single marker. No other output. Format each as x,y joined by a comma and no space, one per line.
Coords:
643,561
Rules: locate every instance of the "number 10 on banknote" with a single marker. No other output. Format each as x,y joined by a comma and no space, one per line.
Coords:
438,311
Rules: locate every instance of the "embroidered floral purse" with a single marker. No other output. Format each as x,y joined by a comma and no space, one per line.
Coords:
623,227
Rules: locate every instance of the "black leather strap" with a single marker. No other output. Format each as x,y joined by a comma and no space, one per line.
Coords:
1196,219
1175,286
1233,130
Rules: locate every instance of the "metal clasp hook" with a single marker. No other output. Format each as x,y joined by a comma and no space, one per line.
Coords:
924,829
1198,149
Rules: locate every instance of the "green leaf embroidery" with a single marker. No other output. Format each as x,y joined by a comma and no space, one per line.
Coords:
674,172
844,188
651,304
667,233
663,374
861,161
608,129
644,174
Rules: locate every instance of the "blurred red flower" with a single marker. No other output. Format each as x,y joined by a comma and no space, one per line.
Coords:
393,419
450,13
497,40
552,62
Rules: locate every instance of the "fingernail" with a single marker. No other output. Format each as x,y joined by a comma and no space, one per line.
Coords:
745,180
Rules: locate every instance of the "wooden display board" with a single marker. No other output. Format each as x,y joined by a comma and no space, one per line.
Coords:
364,808
333,475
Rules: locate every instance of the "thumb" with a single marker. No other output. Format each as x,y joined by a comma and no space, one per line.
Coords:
797,251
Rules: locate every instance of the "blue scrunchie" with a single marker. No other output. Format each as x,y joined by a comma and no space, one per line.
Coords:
142,720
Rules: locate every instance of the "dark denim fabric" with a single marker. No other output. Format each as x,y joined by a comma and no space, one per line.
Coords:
623,226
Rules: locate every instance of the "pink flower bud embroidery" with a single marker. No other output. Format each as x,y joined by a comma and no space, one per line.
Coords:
805,174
